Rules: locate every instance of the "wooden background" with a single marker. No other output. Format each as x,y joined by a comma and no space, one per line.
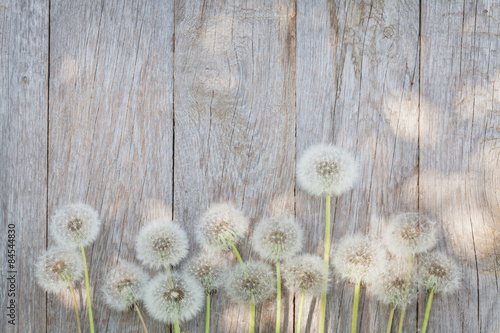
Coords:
147,108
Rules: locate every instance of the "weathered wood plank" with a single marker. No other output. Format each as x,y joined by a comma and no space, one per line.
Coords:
111,135
357,87
23,157
459,154
234,122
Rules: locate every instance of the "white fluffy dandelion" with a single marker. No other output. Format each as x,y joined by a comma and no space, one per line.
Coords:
221,227
75,225
173,298
277,238
326,170
389,287
58,269
253,283
208,268
123,285
438,273
161,243
306,273
410,233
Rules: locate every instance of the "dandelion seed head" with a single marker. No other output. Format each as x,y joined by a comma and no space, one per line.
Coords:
168,302
75,225
58,268
389,287
326,170
410,233
254,283
306,273
221,225
161,243
208,269
123,285
438,272
277,238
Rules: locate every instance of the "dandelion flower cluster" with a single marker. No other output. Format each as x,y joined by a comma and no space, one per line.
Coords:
410,233
254,283
326,170
306,273
207,268
123,285
389,287
172,298
161,243
438,273
75,225
221,227
58,269
358,259
277,238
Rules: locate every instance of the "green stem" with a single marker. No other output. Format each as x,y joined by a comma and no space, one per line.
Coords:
322,310
140,317
177,329
87,286
168,271
76,308
301,308
354,322
427,311
389,324
238,256
207,316
407,285
251,324
278,297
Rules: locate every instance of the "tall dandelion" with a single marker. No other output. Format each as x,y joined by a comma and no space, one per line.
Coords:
207,268
326,170
437,274
57,270
305,274
277,239
358,259
77,226
406,235
251,283
123,287
173,298
221,227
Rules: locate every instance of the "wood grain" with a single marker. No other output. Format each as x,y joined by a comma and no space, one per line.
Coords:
23,156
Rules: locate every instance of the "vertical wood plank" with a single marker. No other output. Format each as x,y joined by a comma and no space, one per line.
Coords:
23,158
459,156
234,123
357,87
111,135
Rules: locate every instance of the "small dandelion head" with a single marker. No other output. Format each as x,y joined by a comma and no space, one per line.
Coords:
59,268
326,170
207,268
221,226
75,225
171,298
389,286
306,273
253,284
439,273
410,233
123,285
358,259
161,243
278,238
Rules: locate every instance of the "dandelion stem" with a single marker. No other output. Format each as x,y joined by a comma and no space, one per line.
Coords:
238,255
76,308
140,317
407,285
354,322
427,311
389,323
207,316
177,329
278,297
169,275
322,311
251,324
87,287
301,308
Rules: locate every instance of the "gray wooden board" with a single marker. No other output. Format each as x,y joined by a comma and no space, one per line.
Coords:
23,158
170,106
